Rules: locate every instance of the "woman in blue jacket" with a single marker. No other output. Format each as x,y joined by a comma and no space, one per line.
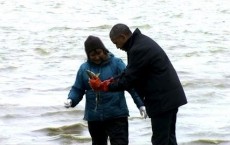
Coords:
107,116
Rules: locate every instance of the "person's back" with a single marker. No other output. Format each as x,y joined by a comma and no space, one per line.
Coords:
155,79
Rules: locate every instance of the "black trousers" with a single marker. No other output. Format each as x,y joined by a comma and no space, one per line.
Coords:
115,129
164,128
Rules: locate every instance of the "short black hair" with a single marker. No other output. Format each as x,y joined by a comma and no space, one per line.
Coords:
119,29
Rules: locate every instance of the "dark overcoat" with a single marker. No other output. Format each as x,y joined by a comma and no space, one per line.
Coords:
151,73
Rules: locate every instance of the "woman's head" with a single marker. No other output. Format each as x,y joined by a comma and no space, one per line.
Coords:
95,49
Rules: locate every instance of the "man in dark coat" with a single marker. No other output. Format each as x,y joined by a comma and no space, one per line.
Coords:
151,73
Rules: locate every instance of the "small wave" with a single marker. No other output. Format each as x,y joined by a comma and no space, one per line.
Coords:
192,54
102,27
74,132
77,128
8,28
13,116
135,118
226,11
73,112
219,49
208,142
42,51
58,89
67,139
8,68
144,26
60,28
76,137
218,83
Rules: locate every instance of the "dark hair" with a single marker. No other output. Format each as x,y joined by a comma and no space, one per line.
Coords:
92,43
119,29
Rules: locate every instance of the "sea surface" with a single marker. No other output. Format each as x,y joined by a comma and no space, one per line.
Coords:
42,47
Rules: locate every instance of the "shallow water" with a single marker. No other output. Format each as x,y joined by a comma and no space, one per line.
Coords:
41,48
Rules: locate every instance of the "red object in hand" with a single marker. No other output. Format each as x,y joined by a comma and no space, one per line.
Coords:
95,84
104,85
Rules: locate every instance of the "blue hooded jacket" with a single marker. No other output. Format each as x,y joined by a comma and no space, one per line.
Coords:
111,104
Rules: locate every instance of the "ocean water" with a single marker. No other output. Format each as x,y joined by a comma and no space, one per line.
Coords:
41,48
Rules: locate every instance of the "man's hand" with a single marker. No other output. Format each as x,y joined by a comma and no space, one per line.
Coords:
143,112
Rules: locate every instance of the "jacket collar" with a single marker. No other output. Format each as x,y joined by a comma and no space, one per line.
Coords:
128,44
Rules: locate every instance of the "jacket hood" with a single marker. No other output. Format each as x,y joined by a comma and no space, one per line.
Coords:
93,43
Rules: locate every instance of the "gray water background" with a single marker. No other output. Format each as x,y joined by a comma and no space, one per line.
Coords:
41,48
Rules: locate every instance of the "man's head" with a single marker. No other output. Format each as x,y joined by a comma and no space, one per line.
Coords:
95,49
119,34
